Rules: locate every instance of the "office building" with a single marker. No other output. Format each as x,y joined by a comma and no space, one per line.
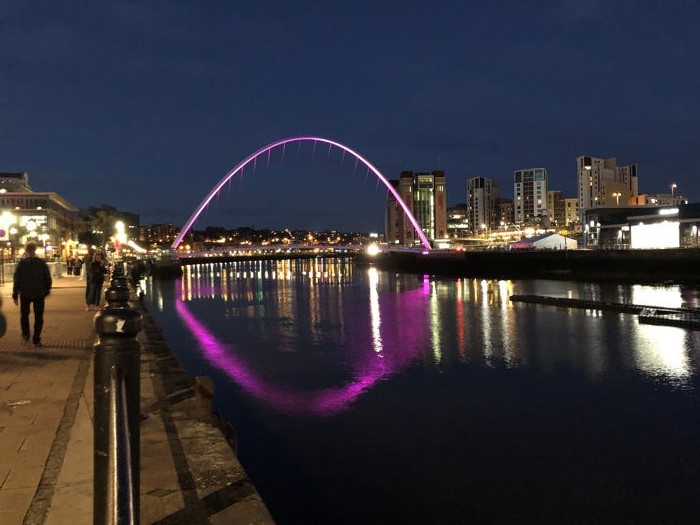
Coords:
45,218
602,183
457,220
158,234
481,204
571,211
642,227
556,209
506,211
530,196
425,196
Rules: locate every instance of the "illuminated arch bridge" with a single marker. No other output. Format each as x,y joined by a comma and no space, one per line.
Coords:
265,151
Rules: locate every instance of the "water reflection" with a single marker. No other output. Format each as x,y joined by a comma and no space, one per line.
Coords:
374,310
660,351
344,330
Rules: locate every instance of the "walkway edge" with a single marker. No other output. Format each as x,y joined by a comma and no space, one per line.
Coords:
41,503
214,486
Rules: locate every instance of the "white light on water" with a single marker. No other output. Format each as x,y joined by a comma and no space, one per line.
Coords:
660,352
374,309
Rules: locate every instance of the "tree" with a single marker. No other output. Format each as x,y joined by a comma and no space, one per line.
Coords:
101,226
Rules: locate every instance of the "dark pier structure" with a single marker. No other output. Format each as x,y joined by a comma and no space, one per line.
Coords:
625,266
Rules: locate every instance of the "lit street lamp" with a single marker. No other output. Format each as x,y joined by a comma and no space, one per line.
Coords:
617,196
673,188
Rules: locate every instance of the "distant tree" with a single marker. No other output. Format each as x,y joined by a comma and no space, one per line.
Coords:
215,232
89,238
102,228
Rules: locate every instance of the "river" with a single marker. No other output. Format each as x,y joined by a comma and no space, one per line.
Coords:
362,396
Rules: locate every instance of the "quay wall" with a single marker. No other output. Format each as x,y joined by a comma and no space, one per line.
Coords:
215,486
633,266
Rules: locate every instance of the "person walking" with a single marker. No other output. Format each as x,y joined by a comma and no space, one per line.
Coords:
95,275
32,284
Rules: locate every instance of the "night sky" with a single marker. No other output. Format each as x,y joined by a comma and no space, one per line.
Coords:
145,105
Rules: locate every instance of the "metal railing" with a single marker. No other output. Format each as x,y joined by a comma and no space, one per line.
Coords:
117,391
120,493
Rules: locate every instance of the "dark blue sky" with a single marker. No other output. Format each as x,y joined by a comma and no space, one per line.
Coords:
146,105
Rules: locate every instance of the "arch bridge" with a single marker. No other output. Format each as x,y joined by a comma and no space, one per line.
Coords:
283,142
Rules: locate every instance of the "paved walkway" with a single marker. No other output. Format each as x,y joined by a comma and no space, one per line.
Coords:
189,474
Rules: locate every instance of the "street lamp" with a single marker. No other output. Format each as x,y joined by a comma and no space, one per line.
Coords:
673,188
617,196
120,236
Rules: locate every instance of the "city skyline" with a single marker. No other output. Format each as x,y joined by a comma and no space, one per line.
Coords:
115,104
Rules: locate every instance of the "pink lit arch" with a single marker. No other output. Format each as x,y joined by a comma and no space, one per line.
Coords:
266,149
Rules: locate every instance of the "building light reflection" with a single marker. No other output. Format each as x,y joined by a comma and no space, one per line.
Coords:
375,315
440,321
459,307
660,352
485,298
435,324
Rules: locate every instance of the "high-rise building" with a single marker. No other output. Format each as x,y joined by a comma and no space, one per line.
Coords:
481,202
556,209
571,211
506,212
425,196
601,182
530,196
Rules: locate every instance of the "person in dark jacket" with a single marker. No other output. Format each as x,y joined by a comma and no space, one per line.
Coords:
32,284
95,275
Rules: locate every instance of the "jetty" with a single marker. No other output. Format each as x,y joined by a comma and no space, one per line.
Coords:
681,317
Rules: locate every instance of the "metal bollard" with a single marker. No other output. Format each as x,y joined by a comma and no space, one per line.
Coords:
117,295
117,362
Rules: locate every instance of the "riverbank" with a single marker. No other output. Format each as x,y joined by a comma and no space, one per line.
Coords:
189,473
623,266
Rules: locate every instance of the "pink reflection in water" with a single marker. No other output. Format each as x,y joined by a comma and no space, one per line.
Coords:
401,346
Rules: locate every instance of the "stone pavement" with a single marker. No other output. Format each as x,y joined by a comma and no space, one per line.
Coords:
189,473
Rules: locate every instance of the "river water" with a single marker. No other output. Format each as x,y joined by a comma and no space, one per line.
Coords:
369,397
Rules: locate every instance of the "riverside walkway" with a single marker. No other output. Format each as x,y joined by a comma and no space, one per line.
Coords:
189,474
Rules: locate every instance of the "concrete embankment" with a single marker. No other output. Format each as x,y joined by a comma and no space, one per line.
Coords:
629,266
213,484
189,472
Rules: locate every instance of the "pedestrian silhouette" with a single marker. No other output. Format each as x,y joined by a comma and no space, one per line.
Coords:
32,284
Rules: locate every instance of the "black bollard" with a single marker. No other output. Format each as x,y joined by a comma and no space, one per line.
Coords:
119,282
117,296
117,358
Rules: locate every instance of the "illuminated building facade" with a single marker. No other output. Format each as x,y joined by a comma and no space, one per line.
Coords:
602,183
425,196
482,194
556,209
506,211
457,220
530,196
158,234
571,215
43,217
642,227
